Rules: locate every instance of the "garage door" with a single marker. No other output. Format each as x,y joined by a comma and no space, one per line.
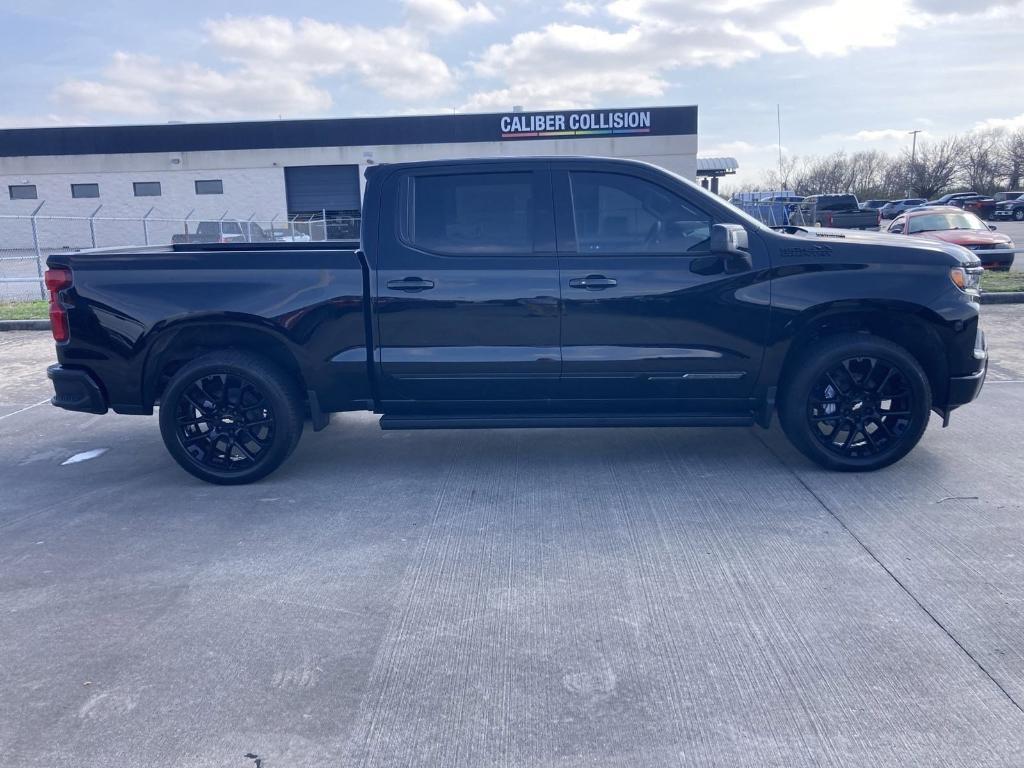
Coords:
313,188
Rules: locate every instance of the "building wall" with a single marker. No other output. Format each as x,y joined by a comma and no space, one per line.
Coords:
254,179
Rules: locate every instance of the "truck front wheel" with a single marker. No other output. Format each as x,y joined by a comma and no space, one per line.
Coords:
855,403
230,417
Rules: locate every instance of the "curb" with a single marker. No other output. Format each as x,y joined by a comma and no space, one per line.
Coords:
24,325
1003,297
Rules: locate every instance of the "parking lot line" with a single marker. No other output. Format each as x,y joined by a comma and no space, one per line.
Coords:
26,408
889,572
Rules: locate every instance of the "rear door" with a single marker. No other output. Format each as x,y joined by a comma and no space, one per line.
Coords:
467,287
651,318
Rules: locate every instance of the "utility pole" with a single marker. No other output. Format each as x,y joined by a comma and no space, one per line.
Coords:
913,164
778,120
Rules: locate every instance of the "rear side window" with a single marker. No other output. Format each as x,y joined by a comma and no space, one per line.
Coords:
625,214
470,213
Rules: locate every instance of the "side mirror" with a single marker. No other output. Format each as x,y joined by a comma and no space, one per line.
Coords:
730,242
729,239
992,227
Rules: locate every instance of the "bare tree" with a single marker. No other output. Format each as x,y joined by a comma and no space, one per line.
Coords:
935,167
1011,158
867,174
823,175
777,179
979,160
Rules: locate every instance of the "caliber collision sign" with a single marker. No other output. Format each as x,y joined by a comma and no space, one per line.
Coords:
526,125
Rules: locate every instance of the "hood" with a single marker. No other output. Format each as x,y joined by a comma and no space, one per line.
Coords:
967,236
1009,203
832,236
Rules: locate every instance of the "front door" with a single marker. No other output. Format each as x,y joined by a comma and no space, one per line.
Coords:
467,289
651,318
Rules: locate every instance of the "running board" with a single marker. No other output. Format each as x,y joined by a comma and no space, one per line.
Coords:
554,420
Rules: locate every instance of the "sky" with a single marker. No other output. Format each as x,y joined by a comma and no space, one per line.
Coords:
847,74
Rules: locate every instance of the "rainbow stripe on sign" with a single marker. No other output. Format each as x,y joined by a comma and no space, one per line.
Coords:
555,134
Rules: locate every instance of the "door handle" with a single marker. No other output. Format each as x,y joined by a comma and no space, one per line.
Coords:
593,282
411,284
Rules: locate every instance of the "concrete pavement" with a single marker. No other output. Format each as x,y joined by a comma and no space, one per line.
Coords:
515,598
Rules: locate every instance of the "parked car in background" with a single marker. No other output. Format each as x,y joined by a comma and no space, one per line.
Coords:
873,205
836,211
894,208
226,231
1010,209
981,206
951,197
1001,197
952,225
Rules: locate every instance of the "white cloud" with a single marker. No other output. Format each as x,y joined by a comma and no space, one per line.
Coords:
271,66
565,65
446,15
884,134
1004,123
846,25
579,8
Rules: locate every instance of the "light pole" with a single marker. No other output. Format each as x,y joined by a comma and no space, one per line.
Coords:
913,164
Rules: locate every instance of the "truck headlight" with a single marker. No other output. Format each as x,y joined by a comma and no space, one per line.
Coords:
967,279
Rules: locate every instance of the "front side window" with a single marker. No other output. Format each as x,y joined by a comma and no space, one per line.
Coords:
147,188
468,213
625,214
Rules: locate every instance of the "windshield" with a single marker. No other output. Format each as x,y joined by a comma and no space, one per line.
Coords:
933,222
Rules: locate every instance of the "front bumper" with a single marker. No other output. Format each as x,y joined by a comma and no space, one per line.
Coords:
76,390
964,389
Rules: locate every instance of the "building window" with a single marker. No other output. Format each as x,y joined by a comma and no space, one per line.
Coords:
210,187
22,191
85,190
147,188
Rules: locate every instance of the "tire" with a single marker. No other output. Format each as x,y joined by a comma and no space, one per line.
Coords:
1018,214
231,417
855,403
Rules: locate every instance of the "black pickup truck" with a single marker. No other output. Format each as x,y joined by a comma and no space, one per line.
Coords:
544,292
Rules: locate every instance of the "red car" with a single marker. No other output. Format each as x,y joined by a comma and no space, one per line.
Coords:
956,226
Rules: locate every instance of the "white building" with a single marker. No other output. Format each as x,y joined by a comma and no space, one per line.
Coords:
274,170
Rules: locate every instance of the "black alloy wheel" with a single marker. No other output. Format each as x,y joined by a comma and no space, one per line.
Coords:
224,422
231,417
860,407
855,402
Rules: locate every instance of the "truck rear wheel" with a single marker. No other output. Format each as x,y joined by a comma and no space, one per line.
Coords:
230,417
855,403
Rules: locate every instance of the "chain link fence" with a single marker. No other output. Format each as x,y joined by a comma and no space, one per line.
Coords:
26,241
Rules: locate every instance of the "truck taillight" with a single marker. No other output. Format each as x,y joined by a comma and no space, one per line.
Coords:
57,279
